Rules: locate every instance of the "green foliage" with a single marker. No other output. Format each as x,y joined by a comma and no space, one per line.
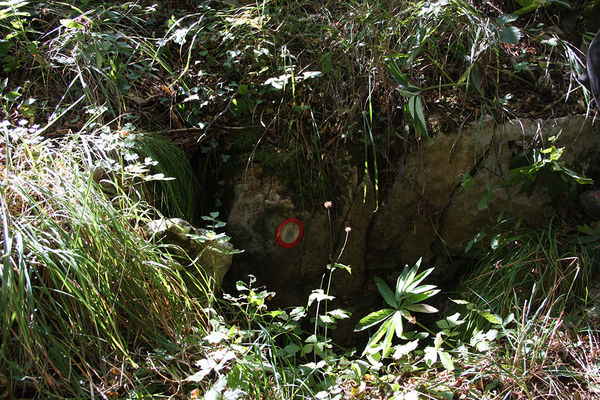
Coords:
531,167
527,259
91,308
173,183
528,6
413,107
407,297
81,288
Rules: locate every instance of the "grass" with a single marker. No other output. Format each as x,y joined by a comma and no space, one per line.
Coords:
83,292
542,262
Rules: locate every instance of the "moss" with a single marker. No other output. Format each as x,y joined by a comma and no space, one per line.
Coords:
305,185
245,141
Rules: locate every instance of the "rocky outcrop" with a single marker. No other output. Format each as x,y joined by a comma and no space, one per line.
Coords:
428,213
261,203
190,245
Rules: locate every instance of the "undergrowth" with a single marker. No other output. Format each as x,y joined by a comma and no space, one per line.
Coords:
315,77
86,299
98,100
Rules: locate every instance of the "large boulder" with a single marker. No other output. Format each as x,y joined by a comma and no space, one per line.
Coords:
427,213
192,245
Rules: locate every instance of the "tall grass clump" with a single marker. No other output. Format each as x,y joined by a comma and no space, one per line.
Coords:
542,262
85,298
171,180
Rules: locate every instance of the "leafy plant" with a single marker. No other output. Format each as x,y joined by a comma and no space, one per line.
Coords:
528,6
414,107
406,298
533,166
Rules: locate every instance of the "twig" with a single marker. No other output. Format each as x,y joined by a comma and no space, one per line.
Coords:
219,115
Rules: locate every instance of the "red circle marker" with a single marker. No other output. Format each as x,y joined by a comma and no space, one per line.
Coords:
289,232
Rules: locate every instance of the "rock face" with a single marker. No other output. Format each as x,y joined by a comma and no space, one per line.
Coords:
193,245
262,203
427,213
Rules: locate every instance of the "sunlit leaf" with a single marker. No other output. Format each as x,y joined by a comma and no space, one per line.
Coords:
510,35
339,314
405,349
71,23
431,355
373,319
423,308
318,295
386,292
446,360
494,319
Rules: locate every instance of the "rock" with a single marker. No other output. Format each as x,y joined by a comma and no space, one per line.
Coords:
590,202
261,203
427,213
191,245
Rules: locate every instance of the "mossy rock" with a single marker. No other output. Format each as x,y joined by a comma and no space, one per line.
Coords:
246,140
305,186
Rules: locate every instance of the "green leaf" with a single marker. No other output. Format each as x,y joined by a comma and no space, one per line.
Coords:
460,301
71,23
404,280
326,63
467,181
341,266
483,204
431,355
450,322
311,74
373,319
339,314
510,35
506,19
420,117
446,360
495,242
420,297
311,339
386,292
416,280
384,329
318,295
405,349
494,319
475,240
423,308
553,42
291,349
438,341
395,321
